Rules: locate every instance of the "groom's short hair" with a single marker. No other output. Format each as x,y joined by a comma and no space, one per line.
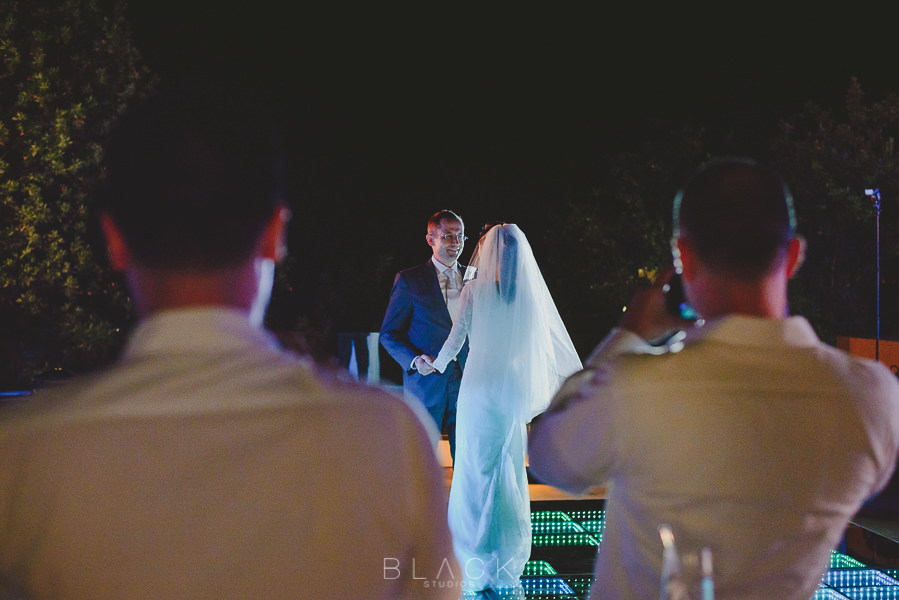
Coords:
443,215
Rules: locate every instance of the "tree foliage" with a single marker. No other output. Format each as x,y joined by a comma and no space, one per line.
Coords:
67,69
346,298
829,158
601,248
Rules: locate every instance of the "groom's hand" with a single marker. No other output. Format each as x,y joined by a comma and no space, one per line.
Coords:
423,365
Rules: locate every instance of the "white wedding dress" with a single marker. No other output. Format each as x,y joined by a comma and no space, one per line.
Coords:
519,354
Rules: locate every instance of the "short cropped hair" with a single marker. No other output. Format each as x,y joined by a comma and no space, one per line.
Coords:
738,215
440,216
191,182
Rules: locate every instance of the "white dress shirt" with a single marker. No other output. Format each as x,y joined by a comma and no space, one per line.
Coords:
450,285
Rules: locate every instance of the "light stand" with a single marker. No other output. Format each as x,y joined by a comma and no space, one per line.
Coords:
874,194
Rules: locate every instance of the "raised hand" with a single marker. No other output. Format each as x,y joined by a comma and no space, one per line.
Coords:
647,315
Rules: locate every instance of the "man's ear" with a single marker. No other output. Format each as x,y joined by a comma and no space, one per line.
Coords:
116,246
795,255
430,238
273,244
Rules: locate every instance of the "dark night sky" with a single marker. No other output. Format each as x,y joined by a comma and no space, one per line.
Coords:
393,113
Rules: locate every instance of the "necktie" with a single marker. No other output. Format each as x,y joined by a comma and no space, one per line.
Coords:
451,292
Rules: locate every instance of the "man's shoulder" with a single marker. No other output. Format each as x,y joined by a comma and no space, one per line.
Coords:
374,404
862,374
418,270
133,391
416,280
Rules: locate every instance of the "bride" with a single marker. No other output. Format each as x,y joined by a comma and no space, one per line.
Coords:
519,354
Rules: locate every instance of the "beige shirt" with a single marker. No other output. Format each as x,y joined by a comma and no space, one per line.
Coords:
756,440
450,285
210,464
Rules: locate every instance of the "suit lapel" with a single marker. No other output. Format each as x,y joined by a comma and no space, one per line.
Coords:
433,283
432,279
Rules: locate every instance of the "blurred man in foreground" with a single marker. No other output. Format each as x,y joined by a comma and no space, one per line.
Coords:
209,463
749,437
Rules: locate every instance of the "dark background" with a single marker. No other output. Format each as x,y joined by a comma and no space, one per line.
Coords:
392,112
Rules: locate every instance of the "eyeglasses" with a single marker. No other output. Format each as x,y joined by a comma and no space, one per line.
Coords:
448,237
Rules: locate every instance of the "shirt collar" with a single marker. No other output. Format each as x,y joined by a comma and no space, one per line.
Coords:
757,331
442,268
210,328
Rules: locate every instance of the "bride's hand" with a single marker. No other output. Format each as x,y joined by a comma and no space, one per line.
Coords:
430,360
424,364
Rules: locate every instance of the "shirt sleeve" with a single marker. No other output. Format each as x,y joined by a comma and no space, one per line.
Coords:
457,336
394,335
570,445
619,341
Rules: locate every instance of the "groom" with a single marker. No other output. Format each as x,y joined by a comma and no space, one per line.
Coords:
419,318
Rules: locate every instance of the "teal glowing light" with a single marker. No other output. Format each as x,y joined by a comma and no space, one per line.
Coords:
549,515
538,567
580,583
587,515
828,594
846,578
556,527
546,586
593,526
851,578
882,592
565,539
839,560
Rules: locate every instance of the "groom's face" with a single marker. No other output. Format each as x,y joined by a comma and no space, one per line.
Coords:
447,251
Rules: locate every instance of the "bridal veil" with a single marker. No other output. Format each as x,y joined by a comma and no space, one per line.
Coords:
520,346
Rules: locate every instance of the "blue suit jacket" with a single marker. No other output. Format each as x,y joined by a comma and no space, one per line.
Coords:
418,322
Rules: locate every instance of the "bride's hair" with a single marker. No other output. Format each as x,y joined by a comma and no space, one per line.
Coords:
505,254
509,270
517,337
488,226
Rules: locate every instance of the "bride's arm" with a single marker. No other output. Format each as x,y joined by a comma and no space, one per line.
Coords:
457,336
